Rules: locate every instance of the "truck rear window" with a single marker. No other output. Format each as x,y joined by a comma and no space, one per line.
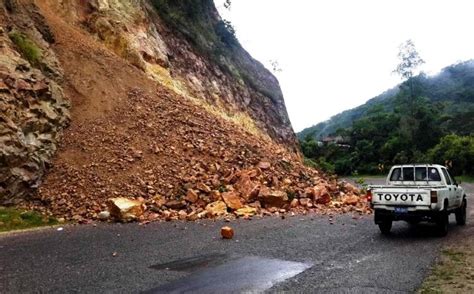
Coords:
415,174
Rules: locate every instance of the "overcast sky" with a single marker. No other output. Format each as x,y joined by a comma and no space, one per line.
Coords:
337,54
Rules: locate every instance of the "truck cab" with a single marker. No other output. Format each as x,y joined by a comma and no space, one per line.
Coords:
418,192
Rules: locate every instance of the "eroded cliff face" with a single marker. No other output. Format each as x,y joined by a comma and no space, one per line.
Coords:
33,110
187,47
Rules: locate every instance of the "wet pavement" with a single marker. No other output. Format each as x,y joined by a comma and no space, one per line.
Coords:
234,274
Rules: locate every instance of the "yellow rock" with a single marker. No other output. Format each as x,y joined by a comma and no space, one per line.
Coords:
246,211
216,208
124,209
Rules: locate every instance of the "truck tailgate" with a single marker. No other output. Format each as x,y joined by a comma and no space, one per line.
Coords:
395,196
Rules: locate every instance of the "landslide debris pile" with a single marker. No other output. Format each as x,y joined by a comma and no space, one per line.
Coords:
137,148
181,162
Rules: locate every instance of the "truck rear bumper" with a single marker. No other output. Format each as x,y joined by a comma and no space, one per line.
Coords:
417,215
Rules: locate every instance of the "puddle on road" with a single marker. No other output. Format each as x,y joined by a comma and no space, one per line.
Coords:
193,263
230,274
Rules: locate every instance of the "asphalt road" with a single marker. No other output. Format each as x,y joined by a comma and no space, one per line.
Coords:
295,254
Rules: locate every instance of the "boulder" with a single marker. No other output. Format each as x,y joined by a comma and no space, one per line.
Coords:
247,188
351,200
246,211
217,208
273,198
323,199
175,204
191,196
203,187
232,200
124,209
351,188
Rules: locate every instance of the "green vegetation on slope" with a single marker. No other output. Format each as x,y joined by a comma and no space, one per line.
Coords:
28,49
453,88
13,219
436,125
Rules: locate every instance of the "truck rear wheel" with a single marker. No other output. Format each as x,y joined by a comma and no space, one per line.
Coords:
385,226
461,214
442,222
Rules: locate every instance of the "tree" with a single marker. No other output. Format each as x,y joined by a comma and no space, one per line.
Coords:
410,60
227,4
275,66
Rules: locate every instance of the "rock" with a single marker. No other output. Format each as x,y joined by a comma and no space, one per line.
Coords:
217,208
124,209
191,196
215,195
351,188
232,200
351,200
323,199
246,211
193,216
103,215
227,232
33,113
263,165
175,204
304,201
182,215
203,187
256,204
294,203
202,214
247,188
273,198
159,201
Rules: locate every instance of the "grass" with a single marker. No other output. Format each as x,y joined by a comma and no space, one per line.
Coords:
14,219
465,179
28,49
454,273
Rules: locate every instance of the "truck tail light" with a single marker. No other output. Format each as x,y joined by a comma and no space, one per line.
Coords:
434,196
369,196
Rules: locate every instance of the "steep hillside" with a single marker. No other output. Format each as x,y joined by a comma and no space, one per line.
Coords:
154,115
453,87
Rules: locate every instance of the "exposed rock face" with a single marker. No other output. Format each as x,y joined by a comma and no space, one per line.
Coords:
175,42
33,113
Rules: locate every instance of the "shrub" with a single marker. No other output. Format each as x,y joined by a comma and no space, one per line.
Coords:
27,48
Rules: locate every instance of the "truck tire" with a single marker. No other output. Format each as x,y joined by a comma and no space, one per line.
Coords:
385,226
442,223
461,214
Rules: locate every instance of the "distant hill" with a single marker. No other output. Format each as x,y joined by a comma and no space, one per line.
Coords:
424,119
453,87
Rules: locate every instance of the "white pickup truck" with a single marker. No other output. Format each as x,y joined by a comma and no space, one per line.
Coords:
418,192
